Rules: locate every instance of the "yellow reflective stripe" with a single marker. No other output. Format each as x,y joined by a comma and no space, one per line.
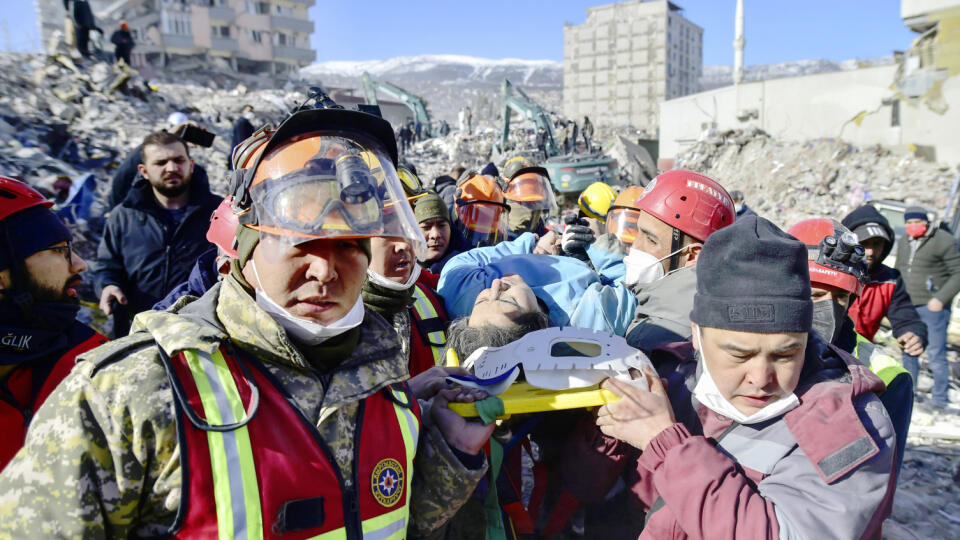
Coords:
883,365
425,310
248,471
389,526
235,490
336,534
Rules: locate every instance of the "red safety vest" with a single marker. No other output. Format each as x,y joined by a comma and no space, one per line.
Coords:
428,325
256,468
23,390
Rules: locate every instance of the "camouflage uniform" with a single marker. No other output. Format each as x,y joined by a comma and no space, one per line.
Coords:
102,458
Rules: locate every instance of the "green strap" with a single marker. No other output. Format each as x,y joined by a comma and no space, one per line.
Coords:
491,506
489,409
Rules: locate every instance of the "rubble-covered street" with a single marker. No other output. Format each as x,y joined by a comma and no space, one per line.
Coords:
60,123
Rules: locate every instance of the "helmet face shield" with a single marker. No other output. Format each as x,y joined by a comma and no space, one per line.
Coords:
533,191
622,223
327,185
484,223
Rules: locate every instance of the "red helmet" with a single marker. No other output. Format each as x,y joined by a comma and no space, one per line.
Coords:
223,227
15,196
692,203
835,258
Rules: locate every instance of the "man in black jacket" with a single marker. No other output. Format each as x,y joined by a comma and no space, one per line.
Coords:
153,238
83,23
886,294
928,258
123,43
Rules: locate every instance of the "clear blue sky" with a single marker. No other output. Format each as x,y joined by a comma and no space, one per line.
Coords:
776,30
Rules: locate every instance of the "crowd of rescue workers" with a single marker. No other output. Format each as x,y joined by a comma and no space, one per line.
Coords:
287,367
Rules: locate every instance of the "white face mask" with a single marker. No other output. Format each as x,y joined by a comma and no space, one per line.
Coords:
738,207
393,285
248,115
707,393
304,330
643,267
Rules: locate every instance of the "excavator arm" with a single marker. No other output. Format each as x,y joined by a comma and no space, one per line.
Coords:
371,87
516,100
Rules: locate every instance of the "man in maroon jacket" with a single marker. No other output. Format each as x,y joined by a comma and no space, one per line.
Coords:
757,434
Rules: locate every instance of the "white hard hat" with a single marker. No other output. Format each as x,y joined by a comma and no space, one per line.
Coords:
176,118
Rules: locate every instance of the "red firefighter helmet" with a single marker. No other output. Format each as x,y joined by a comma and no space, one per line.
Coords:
223,227
15,196
690,202
834,257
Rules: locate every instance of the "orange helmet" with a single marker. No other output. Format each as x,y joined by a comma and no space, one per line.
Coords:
481,210
324,173
834,256
623,214
530,187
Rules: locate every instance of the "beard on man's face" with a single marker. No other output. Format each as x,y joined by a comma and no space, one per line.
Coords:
46,292
172,190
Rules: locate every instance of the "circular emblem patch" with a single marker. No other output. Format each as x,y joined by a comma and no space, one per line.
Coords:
387,482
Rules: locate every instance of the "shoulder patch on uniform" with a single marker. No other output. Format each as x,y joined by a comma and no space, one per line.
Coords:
387,482
112,351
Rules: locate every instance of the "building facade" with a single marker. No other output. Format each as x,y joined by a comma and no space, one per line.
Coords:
253,36
626,58
910,105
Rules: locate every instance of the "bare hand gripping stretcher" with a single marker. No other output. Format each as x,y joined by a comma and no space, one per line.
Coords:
561,368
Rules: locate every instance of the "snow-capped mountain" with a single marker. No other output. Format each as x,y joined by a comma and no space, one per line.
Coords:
444,69
717,76
448,82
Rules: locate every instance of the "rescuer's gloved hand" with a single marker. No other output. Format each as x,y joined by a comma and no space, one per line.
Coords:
577,236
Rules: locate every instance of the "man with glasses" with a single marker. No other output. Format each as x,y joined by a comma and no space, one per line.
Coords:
40,336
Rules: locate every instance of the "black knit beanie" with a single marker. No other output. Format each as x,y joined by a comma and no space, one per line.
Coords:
753,277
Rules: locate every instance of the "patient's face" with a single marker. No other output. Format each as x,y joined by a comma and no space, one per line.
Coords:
506,299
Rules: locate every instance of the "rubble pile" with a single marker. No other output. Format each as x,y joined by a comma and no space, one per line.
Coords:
789,181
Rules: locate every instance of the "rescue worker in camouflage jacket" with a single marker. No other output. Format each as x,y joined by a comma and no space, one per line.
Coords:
273,406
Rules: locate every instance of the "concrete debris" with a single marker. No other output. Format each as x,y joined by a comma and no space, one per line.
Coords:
789,181
63,120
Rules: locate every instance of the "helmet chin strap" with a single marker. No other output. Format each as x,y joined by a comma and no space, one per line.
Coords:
675,245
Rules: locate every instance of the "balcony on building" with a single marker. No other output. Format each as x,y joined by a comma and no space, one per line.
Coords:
295,53
224,44
308,3
222,13
178,41
281,22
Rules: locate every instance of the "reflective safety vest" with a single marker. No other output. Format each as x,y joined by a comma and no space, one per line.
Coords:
430,334
255,467
881,364
27,388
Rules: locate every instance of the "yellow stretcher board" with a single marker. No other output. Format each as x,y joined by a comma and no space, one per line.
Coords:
523,398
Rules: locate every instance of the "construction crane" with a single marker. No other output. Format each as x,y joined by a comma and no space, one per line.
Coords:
414,102
516,100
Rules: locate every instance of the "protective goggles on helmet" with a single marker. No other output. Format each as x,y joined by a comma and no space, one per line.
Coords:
330,184
483,223
532,190
838,262
411,184
622,223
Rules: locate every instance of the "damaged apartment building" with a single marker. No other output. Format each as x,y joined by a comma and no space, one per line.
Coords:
628,57
262,36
